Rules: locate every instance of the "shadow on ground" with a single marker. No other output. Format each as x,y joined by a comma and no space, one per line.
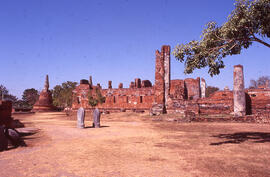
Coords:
15,142
102,126
240,137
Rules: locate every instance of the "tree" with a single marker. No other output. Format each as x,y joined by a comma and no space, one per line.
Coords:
20,104
263,80
209,90
4,94
96,98
62,94
3,90
30,96
249,22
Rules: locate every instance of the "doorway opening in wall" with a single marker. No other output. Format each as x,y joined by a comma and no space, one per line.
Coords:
141,99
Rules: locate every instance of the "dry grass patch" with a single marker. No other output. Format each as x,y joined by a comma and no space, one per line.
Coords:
131,144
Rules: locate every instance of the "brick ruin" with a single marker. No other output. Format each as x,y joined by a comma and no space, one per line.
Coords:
6,118
167,95
5,111
141,94
44,102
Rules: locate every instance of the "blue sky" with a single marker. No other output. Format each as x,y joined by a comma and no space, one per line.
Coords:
108,39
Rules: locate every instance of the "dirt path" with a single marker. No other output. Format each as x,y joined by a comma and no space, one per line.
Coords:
127,145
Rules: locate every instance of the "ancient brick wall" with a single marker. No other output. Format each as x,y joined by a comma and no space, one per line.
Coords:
181,96
257,100
115,99
5,111
165,94
178,89
80,96
128,98
220,102
193,88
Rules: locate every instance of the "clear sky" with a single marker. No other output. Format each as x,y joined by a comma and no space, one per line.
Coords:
108,39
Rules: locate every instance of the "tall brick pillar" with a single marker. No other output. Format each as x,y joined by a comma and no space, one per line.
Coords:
162,80
167,69
239,98
120,85
109,84
138,83
46,85
203,88
90,81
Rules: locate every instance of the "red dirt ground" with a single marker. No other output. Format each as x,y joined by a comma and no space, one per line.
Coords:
130,144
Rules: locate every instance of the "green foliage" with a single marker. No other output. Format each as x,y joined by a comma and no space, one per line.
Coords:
62,94
4,93
209,90
29,97
101,99
20,104
263,80
97,99
92,101
249,22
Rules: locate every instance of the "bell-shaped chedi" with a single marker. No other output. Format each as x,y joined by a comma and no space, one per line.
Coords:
44,102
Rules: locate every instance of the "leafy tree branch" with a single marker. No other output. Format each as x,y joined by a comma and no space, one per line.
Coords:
249,22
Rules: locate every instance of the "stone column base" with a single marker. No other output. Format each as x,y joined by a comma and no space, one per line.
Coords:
157,109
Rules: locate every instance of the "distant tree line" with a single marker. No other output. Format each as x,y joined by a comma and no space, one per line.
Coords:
29,98
61,94
261,81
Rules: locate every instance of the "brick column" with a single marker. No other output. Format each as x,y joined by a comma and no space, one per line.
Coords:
159,79
203,88
90,81
120,85
109,84
167,71
46,85
239,98
138,83
159,88
132,85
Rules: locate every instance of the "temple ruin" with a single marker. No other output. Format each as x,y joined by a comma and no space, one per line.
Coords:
44,102
167,95
141,94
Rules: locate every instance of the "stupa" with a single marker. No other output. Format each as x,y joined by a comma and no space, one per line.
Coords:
44,102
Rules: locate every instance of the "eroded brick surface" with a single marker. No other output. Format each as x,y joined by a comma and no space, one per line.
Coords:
181,96
5,109
44,102
238,91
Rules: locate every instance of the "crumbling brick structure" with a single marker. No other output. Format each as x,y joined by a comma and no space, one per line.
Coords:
138,97
44,102
183,96
5,115
141,94
5,110
238,91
